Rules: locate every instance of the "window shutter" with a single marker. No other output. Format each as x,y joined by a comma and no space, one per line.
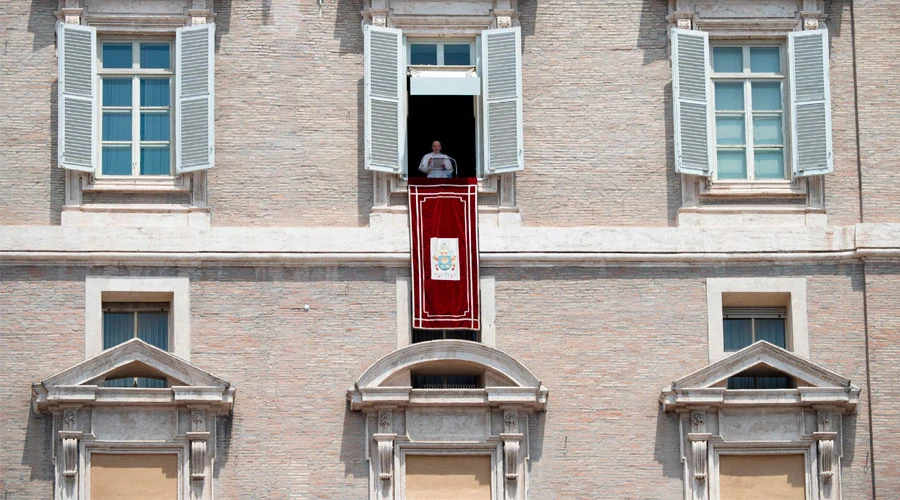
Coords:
77,135
690,92
810,103
194,91
501,55
385,86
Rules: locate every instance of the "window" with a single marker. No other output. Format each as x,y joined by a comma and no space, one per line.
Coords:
125,104
426,335
136,104
740,116
116,476
748,86
742,311
148,322
466,95
448,477
747,477
155,310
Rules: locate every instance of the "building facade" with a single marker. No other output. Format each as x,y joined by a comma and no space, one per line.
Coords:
688,249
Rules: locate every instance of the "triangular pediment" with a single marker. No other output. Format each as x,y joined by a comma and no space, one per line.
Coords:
812,383
134,358
762,354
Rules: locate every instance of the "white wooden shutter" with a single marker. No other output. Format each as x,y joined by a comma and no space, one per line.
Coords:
194,92
811,152
501,56
385,88
77,135
691,97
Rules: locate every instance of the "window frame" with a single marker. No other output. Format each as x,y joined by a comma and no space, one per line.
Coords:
405,449
747,78
175,291
136,75
759,290
137,448
440,42
807,449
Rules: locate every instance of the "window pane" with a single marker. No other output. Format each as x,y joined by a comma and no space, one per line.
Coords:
457,54
771,330
116,160
728,59
773,382
153,328
732,164
729,96
765,60
730,130
116,126
155,56
117,91
738,333
766,96
116,55
154,92
155,126
741,383
423,53
767,130
117,328
155,160
768,164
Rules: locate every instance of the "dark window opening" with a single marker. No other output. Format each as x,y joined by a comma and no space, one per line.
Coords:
143,382
761,377
426,335
446,381
745,326
146,321
449,119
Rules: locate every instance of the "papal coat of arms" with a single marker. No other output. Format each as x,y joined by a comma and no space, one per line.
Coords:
445,259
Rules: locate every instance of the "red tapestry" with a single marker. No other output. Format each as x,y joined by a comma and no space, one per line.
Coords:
443,216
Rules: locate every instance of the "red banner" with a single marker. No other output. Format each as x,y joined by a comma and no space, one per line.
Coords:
443,222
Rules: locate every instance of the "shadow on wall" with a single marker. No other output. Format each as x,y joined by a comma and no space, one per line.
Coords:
36,454
666,449
353,444
224,424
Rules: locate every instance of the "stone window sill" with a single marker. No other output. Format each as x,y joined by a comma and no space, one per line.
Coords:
171,184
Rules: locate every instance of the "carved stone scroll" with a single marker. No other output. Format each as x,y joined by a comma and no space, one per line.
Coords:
699,454
385,455
70,452
511,447
826,459
198,453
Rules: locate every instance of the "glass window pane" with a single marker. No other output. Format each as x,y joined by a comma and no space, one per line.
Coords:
766,96
155,160
155,56
765,60
117,328
117,92
155,126
730,130
457,54
741,383
151,383
771,330
728,59
767,130
738,333
116,55
729,96
116,160
423,53
154,92
732,164
119,382
116,126
153,328
768,164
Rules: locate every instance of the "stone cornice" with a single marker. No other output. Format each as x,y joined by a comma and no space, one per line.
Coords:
500,246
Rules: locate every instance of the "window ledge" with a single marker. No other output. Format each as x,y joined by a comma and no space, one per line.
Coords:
136,215
168,183
770,188
486,185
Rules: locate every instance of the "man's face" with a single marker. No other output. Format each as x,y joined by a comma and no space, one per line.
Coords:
435,147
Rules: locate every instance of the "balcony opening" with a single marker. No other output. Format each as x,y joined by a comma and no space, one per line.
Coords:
449,119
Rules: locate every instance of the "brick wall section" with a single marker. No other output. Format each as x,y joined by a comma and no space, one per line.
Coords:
878,69
882,285
605,346
32,188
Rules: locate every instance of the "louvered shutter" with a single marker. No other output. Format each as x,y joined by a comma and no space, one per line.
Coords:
77,102
691,97
194,91
810,103
501,55
385,87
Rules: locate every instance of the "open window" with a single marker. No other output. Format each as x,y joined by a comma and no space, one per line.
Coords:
465,93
